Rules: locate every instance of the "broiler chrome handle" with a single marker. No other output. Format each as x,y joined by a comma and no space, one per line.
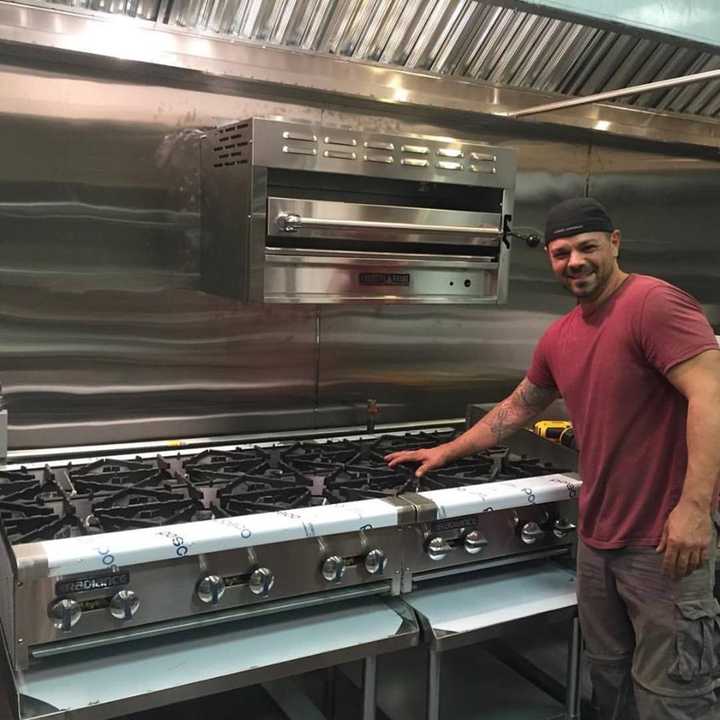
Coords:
289,222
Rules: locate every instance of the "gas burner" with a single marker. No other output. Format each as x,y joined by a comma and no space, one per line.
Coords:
139,508
108,476
250,495
11,510
13,482
390,443
327,453
365,483
110,494
41,527
22,485
225,460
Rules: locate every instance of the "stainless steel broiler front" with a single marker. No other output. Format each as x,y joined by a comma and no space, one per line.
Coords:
306,213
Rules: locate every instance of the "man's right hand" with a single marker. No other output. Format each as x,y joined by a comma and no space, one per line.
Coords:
429,458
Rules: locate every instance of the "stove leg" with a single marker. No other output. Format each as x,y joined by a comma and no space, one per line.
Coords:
573,695
369,687
433,688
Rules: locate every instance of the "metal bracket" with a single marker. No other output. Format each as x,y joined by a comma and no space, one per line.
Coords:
532,239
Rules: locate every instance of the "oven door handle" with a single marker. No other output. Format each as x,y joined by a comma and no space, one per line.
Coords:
291,222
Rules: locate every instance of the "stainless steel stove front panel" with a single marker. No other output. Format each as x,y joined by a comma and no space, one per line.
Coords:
168,590
500,535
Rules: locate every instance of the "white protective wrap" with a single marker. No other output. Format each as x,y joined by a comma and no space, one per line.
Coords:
132,547
486,497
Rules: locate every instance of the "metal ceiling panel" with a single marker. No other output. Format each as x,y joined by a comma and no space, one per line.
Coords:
463,38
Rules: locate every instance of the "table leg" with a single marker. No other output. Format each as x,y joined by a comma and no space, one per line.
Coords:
433,694
573,695
369,687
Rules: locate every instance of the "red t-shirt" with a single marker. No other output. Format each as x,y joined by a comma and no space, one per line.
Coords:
610,367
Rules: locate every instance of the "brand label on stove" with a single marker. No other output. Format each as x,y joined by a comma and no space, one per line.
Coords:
379,278
460,523
92,582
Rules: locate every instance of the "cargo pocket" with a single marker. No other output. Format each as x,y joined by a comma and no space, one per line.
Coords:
696,641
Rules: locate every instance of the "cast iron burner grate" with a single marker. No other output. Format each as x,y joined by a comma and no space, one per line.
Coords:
109,495
107,476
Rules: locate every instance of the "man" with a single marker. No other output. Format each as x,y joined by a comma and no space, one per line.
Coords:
639,369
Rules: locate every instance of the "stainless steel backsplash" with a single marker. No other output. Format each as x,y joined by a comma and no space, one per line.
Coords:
105,335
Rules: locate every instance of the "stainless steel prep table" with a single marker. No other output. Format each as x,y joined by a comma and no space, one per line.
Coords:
103,683
455,612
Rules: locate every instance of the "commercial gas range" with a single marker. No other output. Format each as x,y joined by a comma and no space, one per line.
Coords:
105,550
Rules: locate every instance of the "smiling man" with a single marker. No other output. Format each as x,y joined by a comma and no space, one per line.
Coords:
638,366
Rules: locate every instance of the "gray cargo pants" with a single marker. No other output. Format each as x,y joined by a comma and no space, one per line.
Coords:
652,642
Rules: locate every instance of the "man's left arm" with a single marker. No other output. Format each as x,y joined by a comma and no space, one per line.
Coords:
688,531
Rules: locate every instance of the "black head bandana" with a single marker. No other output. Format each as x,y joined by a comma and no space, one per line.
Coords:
572,217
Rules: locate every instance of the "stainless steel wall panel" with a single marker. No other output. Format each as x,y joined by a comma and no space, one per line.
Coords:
668,212
104,333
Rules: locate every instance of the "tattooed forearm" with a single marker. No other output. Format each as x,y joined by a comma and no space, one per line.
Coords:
522,405
534,398
499,420
503,420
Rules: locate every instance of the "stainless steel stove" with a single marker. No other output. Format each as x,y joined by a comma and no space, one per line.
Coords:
112,549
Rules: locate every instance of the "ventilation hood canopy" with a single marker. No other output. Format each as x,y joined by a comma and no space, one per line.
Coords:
467,40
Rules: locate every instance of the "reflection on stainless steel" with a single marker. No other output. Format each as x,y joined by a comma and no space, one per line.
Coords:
622,92
664,206
541,73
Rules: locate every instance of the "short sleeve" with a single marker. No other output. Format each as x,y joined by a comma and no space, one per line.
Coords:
673,328
539,373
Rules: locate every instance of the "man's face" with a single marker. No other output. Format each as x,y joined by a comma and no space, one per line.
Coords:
585,263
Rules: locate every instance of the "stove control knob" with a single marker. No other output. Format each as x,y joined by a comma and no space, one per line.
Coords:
261,581
375,562
531,532
437,547
333,568
124,605
562,527
475,542
64,613
210,589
